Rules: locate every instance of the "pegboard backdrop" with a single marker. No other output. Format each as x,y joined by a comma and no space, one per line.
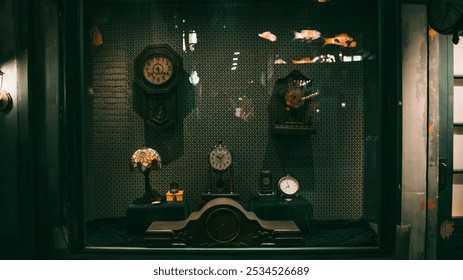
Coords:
337,167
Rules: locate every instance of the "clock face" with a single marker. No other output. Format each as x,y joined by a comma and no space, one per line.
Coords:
294,97
223,225
266,181
220,158
288,185
158,70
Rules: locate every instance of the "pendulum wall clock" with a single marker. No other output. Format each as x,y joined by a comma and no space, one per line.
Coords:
293,113
158,69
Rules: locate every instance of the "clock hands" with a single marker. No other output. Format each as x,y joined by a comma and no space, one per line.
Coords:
157,69
287,185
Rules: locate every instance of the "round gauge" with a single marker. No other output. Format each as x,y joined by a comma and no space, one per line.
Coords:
158,70
220,158
294,97
288,185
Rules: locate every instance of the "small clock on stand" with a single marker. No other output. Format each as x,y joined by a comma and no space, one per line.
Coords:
158,69
220,161
288,187
266,190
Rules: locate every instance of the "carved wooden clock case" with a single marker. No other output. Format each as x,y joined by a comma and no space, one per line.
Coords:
223,222
158,69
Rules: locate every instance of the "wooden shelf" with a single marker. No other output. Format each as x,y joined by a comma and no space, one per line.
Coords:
458,171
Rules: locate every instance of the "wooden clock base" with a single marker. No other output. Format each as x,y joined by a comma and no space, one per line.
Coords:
223,222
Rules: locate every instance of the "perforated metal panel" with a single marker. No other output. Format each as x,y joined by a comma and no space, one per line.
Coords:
337,167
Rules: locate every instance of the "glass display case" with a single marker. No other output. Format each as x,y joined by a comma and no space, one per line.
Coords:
275,122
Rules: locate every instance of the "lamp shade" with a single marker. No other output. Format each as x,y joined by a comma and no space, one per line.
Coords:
145,160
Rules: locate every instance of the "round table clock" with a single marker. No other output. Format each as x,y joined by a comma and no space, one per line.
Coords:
157,71
288,186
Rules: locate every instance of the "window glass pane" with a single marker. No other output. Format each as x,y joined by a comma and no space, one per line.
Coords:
458,56
288,87
457,195
458,104
458,148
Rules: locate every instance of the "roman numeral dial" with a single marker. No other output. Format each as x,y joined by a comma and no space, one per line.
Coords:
220,158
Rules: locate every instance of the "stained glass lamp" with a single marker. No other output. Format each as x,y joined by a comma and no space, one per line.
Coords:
146,160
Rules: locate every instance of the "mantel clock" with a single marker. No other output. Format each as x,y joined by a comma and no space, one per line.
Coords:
220,161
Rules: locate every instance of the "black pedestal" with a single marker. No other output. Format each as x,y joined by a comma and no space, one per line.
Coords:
140,216
297,209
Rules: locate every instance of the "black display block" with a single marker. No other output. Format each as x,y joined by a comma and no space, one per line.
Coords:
297,209
140,216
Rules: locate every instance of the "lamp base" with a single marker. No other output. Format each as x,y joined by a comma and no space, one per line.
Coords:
152,197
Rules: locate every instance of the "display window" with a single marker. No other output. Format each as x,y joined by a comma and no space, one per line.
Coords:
237,124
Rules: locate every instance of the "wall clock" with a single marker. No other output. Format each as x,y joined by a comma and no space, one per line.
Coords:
293,111
158,69
446,16
223,225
